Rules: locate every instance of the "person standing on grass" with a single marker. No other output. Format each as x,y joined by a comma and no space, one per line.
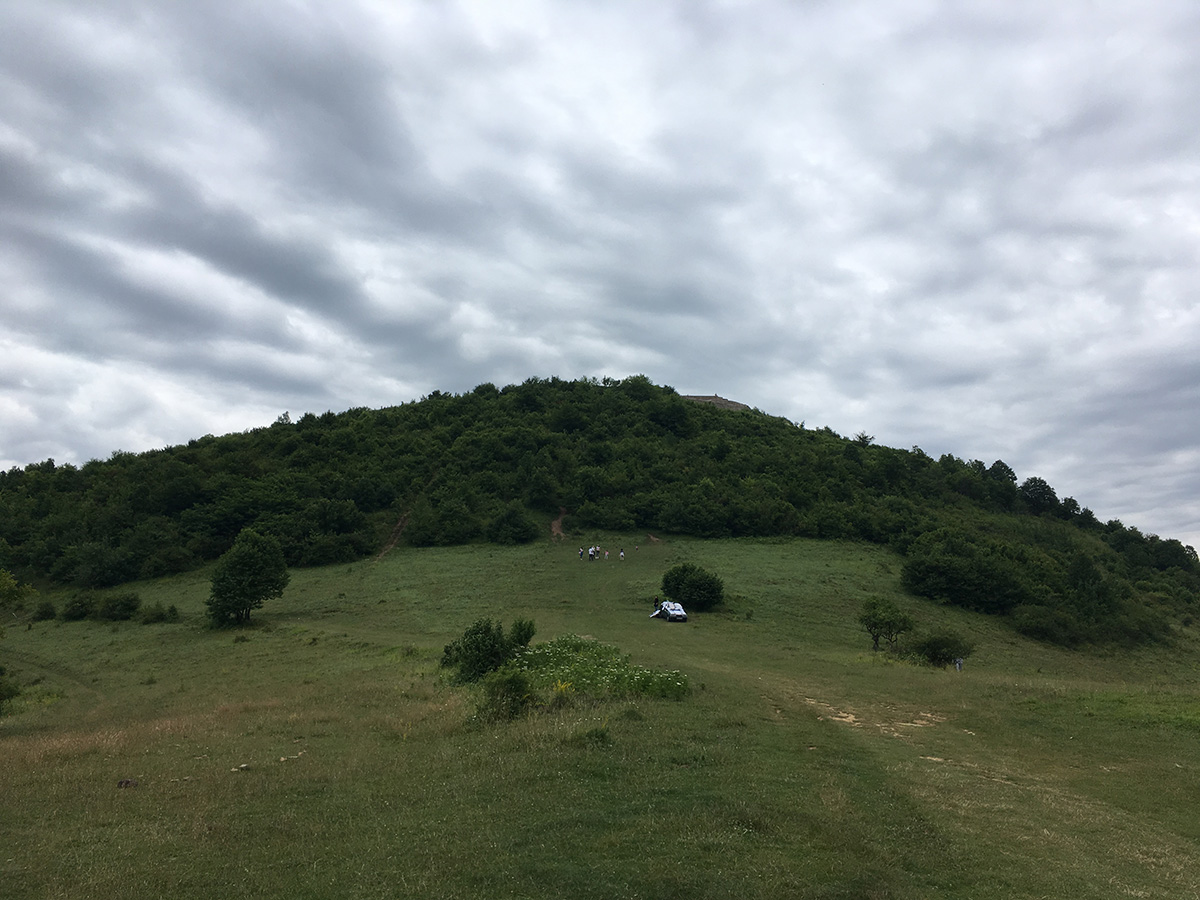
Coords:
622,554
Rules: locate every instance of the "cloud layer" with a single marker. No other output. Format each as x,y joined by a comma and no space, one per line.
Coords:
975,230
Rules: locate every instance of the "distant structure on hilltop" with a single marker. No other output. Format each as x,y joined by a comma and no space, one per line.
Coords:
716,401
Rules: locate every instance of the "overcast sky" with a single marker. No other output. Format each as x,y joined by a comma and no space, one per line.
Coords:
974,228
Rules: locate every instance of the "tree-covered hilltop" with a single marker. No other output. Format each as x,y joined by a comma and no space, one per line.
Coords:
622,455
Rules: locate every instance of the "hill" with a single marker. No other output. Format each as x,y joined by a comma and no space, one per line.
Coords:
497,464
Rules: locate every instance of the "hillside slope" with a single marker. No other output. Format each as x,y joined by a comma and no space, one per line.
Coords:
627,456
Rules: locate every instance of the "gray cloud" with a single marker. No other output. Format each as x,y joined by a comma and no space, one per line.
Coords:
972,229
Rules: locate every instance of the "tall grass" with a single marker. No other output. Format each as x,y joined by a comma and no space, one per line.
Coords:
323,753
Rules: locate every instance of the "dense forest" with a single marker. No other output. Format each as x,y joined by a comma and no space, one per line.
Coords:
619,455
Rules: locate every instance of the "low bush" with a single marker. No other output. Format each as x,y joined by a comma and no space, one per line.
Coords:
118,607
940,648
156,612
45,611
79,607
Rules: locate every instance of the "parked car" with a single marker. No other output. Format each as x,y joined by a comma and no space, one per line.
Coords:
670,611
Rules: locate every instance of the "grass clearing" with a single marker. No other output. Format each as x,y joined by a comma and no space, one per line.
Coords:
323,752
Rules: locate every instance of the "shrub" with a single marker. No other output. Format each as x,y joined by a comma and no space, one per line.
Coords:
1055,626
13,594
692,586
484,647
44,611
118,607
81,606
156,612
940,648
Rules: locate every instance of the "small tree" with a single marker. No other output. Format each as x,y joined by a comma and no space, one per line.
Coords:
883,620
251,572
484,647
695,588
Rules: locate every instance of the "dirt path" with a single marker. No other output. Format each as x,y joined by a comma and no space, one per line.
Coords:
394,538
556,529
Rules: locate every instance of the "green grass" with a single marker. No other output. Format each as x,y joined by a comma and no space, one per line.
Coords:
324,753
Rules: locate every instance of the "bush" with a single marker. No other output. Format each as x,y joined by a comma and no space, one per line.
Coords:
695,588
13,594
1055,626
156,612
118,607
940,648
484,647
79,607
45,611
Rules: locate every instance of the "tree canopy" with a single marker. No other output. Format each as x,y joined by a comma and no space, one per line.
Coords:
250,572
883,620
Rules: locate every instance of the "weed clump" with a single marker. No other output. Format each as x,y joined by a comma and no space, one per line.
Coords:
507,695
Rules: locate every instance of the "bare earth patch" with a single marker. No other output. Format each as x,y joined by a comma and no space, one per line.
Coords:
894,729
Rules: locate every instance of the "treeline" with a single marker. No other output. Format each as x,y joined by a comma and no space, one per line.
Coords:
628,455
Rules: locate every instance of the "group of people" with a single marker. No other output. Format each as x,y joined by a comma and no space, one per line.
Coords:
593,553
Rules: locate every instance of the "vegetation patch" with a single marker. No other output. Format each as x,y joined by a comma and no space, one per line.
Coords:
588,668
484,647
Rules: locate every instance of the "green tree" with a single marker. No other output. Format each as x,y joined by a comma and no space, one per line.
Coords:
512,526
692,586
250,572
1039,497
883,620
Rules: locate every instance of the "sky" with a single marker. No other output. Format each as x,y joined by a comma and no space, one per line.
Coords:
972,228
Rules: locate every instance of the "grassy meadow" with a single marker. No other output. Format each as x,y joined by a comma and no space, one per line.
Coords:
323,753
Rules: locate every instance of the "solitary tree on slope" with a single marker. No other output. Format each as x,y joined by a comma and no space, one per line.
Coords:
251,571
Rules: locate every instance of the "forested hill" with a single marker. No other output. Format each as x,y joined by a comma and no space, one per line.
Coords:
624,456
